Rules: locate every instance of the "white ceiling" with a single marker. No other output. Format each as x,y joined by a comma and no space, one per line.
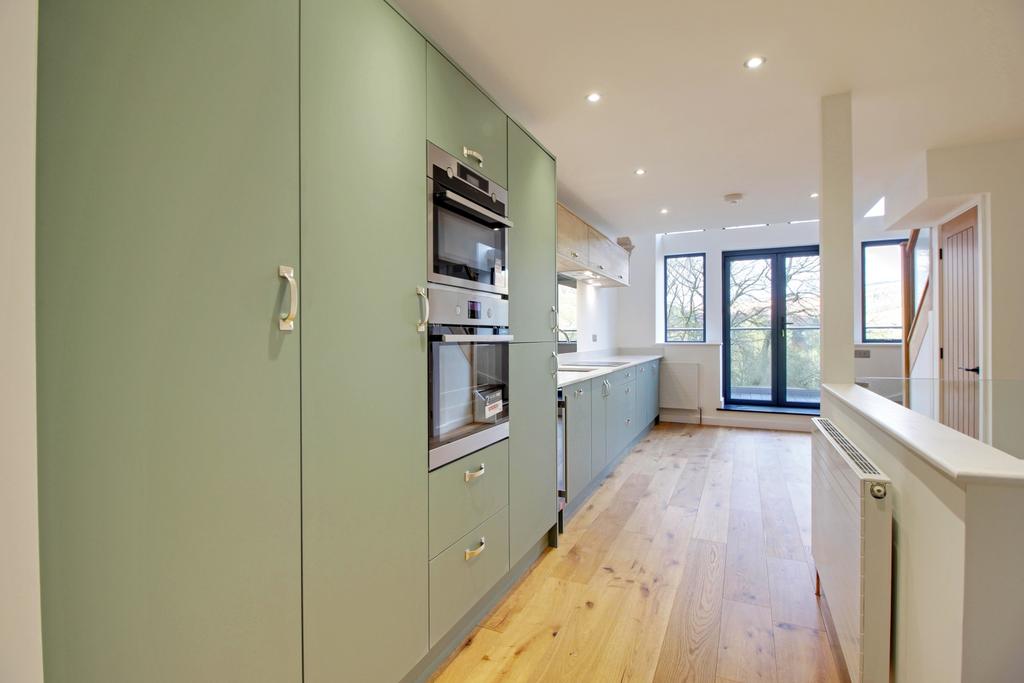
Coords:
678,102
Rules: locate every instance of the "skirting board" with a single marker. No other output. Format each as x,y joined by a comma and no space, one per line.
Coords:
791,423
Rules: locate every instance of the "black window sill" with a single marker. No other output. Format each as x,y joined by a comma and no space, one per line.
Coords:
777,410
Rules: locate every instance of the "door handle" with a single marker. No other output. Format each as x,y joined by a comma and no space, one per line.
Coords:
473,154
976,369
470,554
287,321
421,325
470,476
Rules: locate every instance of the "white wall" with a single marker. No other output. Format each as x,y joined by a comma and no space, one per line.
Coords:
596,311
20,637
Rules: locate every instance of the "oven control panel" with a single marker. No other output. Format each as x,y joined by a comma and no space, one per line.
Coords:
454,306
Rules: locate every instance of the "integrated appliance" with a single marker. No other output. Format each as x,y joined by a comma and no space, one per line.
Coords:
467,372
561,450
467,223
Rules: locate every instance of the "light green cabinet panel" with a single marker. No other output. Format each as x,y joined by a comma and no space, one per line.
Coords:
531,461
168,399
531,186
463,574
622,416
364,462
462,120
599,397
578,439
465,493
647,393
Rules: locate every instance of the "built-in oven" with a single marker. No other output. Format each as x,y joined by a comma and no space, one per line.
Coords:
467,220
467,372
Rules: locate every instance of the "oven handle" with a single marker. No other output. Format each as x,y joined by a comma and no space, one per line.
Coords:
477,338
450,196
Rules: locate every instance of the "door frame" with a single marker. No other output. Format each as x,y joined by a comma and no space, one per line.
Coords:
777,255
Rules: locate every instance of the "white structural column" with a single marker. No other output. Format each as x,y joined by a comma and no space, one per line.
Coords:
836,239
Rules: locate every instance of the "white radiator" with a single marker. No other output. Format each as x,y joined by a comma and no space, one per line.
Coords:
680,385
851,541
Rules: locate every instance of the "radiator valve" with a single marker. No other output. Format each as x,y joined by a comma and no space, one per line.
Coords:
878,490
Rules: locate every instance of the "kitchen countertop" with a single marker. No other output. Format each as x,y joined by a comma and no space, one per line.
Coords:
567,378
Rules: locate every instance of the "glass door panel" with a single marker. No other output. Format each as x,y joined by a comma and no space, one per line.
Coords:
802,329
750,348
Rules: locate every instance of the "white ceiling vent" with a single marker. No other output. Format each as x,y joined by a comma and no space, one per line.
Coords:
733,198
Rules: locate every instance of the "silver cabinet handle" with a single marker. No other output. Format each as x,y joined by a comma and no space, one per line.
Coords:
575,254
554,357
287,321
642,368
627,390
470,554
554,319
473,154
628,420
470,476
600,266
421,325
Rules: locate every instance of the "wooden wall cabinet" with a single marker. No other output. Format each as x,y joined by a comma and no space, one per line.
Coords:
581,248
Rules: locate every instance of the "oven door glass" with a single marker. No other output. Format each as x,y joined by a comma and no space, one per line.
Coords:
467,252
468,384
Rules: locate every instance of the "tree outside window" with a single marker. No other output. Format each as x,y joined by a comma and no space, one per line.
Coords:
684,298
882,292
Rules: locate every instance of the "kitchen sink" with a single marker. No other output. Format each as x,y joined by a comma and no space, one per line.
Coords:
601,364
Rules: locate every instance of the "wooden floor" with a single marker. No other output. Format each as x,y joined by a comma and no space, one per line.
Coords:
689,563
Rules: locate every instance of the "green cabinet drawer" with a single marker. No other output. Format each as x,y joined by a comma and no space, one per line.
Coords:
462,120
578,466
622,376
465,493
463,573
622,417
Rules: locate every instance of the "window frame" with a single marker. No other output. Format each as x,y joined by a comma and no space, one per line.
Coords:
864,246
704,295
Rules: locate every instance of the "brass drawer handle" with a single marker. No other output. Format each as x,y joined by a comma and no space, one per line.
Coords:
473,154
287,321
470,476
470,554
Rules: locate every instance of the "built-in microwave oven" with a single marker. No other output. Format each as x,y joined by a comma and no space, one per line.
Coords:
467,372
467,226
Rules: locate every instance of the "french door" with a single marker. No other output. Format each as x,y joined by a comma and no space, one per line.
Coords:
772,327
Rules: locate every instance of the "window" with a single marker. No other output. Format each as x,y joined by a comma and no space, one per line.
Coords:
568,323
882,291
684,298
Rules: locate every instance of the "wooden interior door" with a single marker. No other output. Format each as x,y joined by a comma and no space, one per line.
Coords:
959,367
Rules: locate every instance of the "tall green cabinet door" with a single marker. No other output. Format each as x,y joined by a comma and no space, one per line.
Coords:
531,201
463,121
168,196
532,423
364,365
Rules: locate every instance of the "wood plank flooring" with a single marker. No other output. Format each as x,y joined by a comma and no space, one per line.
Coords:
689,563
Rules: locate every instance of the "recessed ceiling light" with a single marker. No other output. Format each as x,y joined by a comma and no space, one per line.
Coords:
664,211
755,62
814,195
594,97
684,232
639,171
808,220
741,227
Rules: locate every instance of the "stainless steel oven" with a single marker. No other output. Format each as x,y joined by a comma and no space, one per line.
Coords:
467,221
467,371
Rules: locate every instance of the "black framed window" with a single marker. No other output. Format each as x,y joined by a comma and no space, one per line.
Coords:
881,270
772,327
685,294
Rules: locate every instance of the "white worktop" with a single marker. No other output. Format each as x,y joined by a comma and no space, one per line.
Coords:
567,378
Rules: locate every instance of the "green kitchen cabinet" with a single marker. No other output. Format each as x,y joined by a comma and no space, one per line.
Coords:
364,379
532,201
600,394
461,119
466,492
647,393
578,428
532,425
621,416
168,395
